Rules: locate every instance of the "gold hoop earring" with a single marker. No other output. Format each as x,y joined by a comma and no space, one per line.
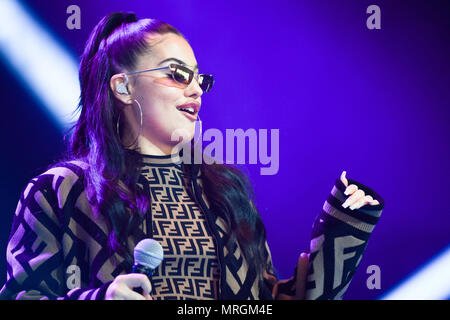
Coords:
140,126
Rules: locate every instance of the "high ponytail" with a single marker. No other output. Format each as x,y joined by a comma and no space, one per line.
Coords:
104,28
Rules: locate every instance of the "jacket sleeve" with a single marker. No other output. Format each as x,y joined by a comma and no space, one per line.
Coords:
269,279
339,239
35,259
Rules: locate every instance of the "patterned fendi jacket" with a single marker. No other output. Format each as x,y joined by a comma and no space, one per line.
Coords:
46,240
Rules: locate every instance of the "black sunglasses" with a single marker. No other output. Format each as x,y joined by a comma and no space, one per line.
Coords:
184,75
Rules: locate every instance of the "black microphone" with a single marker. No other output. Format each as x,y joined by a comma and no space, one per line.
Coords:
148,255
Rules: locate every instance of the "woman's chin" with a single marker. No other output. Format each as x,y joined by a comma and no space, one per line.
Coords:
182,135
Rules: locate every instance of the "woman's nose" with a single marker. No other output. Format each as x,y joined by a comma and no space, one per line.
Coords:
193,90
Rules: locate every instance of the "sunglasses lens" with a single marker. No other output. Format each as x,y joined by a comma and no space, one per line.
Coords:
181,76
206,82
184,75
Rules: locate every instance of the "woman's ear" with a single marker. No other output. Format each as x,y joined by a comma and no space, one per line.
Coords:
120,88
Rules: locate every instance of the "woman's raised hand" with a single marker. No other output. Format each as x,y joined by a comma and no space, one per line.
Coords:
357,197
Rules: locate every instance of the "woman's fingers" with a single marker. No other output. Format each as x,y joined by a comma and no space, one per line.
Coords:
122,287
350,189
136,280
357,197
129,294
358,194
363,201
359,203
302,270
343,178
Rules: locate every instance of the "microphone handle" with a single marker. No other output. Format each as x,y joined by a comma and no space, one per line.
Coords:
137,268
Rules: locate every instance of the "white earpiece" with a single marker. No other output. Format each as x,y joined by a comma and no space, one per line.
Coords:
122,87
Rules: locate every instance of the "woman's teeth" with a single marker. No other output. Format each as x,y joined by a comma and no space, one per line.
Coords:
189,110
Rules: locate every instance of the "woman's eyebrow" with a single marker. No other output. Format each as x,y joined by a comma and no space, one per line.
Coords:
178,61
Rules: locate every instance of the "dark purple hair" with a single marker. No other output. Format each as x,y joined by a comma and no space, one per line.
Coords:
111,178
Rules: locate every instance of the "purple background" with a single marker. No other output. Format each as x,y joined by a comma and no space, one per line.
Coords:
372,102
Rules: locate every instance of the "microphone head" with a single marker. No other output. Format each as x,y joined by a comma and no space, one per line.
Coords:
148,253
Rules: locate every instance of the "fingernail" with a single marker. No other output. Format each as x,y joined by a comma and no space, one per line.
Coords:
345,204
346,191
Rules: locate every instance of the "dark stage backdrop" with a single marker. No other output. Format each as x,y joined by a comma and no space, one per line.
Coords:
372,102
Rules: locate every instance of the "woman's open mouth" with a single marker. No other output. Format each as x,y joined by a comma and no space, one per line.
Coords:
189,110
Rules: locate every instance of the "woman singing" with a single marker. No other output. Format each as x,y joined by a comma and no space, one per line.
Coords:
123,179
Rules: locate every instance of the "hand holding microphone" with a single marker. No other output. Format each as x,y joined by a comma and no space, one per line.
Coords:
148,254
122,287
